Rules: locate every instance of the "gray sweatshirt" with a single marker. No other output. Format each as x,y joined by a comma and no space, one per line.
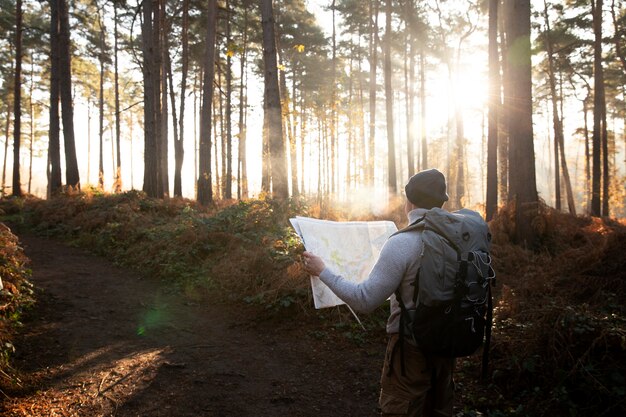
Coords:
398,263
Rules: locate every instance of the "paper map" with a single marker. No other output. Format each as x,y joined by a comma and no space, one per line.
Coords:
350,249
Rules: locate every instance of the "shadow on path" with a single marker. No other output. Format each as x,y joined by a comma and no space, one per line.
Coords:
103,341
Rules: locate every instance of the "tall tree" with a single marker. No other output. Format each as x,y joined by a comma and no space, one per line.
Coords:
373,45
599,115
557,121
54,144
491,204
228,180
242,171
518,102
163,116
205,181
72,176
162,42
118,132
17,97
272,106
333,107
423,140
102,57
179,150
151,98
391,148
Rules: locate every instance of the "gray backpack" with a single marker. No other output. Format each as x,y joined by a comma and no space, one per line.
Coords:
453,313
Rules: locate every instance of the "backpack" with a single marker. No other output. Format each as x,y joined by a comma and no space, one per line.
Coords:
454,307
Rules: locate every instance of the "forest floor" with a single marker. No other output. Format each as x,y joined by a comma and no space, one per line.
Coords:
103,341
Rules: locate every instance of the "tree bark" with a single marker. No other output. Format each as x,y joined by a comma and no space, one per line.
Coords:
559,142
32,122
72,176
54,144
150,97
598,110
588,192
118,128
205,189
491,204
278,162
162,42
371,160
17,100
523,187
179,150
391,147
242,174
423,110
7,125
409,76
228,189
101,105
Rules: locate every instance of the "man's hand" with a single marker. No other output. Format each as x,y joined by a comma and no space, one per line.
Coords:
313,264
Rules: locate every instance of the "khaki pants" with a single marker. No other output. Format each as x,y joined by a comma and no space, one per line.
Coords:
425,390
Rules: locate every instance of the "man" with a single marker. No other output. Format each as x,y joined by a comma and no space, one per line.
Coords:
423,386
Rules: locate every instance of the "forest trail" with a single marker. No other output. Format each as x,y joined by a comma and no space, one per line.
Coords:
103,341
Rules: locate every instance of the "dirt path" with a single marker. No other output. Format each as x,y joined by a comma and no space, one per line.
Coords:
102,341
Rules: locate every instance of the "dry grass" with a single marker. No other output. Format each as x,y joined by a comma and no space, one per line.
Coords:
560,337
560,340
15,297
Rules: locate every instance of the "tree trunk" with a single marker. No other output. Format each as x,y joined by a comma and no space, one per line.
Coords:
423,140
72,176
196,80
32,121
17,101
333,107
217,104
460,156
150,100
588,192
101,56
491,204
177,140
371,160
228,190
205,189
242,176
409,76
598,107
503,129
179,150
118,128
559,143
7,125
54,144
278,161
605,162
162,36
303,132
391,147
523,187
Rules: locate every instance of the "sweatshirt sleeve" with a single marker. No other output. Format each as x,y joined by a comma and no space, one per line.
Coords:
383,280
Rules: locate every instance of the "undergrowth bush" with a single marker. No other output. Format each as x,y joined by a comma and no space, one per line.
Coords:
245,248
559,344
16,295
559,339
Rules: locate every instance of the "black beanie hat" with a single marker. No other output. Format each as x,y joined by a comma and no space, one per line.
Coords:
427,188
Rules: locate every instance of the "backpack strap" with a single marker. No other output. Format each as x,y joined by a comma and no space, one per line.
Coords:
403,316
488,327
403,310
